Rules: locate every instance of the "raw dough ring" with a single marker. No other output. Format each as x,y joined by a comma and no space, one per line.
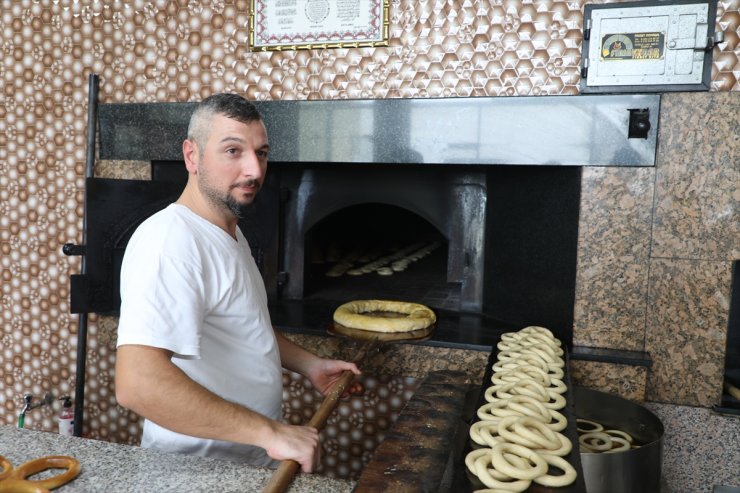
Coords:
473,456
587,426
484,433
351,315
557,422
536,431
523,371
486,476
620,434
596,440
485,411
618,445
529,406
529,439
565,447
535,469
568,476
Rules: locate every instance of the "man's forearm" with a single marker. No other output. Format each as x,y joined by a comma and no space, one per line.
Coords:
323,373
148,383
294,357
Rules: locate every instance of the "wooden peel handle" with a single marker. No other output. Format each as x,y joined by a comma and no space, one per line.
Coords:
283,476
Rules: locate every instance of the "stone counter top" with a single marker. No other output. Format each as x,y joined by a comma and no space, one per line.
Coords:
124,468
413,458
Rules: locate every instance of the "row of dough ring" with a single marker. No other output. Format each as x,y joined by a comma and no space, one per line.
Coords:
517,439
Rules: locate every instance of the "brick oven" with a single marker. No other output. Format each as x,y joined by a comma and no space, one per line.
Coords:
490,186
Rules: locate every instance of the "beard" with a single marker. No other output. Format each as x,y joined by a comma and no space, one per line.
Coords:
234,206
225,200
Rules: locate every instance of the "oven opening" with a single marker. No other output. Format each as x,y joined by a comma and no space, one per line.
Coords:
431,221
378,251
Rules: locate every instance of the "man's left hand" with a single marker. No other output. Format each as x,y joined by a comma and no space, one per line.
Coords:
327,372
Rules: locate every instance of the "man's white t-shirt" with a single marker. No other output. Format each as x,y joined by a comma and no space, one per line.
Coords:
189,287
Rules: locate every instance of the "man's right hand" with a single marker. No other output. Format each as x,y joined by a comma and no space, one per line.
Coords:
297,443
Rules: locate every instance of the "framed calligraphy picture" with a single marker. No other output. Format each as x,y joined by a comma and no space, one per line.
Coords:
306,24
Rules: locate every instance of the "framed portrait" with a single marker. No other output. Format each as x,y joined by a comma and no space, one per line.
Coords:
305,24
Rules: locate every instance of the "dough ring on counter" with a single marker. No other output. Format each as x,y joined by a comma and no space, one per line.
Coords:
17,479
411,316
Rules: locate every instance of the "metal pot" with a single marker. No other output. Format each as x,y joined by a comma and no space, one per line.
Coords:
631,471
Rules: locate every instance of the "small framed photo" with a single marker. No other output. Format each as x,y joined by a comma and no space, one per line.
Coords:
304,24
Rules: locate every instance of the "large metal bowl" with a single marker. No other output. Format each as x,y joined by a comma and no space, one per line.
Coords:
632,471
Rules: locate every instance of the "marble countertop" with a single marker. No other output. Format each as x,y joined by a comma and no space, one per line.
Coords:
413,457
116,467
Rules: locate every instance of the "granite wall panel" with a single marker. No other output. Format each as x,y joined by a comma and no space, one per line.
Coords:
613,257
697,213
687,330
626,381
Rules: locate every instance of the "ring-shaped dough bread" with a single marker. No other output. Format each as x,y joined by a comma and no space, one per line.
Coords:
524,386
587,426
5,467
472,456
621,434
488,475
534,329
558,422
529,371
353,315
618,445
565,447
33,467
484,412
552,481
529,406
534,469
485,433
557,386
505,431
535,431
475,455
596,440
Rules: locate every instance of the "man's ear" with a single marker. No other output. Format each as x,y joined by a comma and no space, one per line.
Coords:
190,153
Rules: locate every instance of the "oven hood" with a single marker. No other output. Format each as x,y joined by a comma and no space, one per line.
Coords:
591,130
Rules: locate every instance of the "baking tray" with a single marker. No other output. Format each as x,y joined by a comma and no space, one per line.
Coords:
464,482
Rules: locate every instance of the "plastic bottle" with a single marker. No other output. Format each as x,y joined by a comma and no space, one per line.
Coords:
66,417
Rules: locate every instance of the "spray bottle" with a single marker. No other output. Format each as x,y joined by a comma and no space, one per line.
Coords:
66,417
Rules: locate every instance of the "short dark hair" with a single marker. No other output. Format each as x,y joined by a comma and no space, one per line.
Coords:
230,105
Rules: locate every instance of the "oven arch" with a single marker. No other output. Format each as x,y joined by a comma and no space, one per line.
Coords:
453,199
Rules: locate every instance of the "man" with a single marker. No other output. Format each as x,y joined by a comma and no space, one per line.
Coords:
197,355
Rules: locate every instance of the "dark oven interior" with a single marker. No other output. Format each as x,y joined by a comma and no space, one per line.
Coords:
493,242
398,232
372,248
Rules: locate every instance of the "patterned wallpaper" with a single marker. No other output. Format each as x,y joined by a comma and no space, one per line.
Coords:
167,50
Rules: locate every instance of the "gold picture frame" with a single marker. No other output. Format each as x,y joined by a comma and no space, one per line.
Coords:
308,24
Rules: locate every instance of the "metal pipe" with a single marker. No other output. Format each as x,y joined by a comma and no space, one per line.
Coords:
92,120
28,406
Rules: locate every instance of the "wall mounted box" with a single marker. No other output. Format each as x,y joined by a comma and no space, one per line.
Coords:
648,46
